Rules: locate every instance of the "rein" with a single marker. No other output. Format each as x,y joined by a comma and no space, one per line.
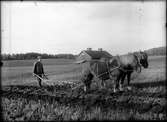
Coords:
108,72
117,67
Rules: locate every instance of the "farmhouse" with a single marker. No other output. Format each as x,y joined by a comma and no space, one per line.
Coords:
89,54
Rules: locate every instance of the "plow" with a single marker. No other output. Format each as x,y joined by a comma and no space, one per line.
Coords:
51,85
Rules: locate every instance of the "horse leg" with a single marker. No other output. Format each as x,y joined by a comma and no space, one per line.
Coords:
87,85
116,83
90,77
102,83
85,88
128,78
87,80
122,81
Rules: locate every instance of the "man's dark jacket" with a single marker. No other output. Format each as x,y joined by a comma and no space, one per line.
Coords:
38,68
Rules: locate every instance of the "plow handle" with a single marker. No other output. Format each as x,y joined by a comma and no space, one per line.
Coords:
38,76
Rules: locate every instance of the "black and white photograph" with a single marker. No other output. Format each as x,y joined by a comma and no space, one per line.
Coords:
83,60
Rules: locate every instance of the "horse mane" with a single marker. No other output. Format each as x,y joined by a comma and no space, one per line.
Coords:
138,54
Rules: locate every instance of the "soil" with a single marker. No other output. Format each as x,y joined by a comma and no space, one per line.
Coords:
134,99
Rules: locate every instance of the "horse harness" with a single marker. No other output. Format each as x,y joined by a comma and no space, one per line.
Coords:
117,67
108,71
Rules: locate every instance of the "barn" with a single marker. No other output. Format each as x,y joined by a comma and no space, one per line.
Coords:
89,55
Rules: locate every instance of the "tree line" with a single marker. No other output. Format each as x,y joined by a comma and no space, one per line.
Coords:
33,55
157,51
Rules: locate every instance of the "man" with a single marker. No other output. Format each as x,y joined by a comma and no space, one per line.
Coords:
38,70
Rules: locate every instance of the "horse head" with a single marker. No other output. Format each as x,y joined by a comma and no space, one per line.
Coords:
143,59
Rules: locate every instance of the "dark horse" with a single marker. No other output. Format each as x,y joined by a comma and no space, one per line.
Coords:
101,71
127,64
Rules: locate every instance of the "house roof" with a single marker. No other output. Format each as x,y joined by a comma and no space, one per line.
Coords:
98,54
93,54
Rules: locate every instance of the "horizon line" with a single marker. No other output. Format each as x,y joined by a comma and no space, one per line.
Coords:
72,53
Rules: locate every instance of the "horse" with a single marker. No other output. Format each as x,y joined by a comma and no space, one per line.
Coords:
127,65
101,70
115,69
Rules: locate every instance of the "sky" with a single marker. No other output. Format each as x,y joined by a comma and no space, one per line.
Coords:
70,27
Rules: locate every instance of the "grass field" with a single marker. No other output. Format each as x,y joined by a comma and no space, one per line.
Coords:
22,99
20,71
